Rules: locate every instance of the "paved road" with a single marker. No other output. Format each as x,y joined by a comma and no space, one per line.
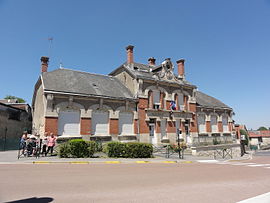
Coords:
263,153
191,182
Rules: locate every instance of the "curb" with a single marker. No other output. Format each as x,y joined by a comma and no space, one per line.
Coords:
112,162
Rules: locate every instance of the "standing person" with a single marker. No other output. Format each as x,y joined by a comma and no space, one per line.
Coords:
242,144
23,142
51,143
44,144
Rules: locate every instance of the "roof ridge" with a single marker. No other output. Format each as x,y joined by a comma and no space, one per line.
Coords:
80,71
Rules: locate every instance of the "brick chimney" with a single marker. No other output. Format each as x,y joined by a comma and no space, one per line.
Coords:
152,61
129,49
181,68
44,63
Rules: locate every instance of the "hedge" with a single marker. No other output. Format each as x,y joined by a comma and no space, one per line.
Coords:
77,148
128,150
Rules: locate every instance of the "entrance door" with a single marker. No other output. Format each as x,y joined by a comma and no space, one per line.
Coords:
69,123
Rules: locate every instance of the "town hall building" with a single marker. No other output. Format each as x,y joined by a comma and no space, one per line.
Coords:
135,102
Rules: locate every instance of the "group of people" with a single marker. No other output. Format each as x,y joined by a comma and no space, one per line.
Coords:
33,145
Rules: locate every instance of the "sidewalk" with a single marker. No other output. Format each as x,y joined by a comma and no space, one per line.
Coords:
10,157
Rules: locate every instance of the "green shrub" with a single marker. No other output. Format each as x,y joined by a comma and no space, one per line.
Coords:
77,148
99,147
128,150
64,150
92,146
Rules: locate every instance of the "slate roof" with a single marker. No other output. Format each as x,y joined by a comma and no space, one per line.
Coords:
208,101
142,71
71,81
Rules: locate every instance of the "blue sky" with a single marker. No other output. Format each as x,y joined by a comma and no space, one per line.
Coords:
226,44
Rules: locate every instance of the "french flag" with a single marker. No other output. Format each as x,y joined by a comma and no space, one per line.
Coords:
172,105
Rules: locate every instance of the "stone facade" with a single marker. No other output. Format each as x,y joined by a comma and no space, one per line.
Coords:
13,121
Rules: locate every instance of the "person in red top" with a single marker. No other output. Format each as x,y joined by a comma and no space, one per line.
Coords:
51,143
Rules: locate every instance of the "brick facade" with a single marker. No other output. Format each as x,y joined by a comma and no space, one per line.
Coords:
135,126
143,125
85,126
208,126
114,126
220,126
51,125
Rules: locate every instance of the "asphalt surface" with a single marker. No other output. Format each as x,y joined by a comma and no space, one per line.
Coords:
205,181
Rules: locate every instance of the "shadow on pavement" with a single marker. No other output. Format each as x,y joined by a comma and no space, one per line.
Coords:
33,200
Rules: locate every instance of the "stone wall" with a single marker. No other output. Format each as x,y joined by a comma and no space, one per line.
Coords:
11,129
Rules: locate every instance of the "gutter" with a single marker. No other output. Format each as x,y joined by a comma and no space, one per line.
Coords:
89,95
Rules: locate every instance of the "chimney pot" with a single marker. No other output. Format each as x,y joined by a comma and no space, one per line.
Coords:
152,61
129,49
181,68
44,63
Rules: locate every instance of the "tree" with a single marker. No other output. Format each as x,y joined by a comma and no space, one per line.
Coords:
20,100
262,128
